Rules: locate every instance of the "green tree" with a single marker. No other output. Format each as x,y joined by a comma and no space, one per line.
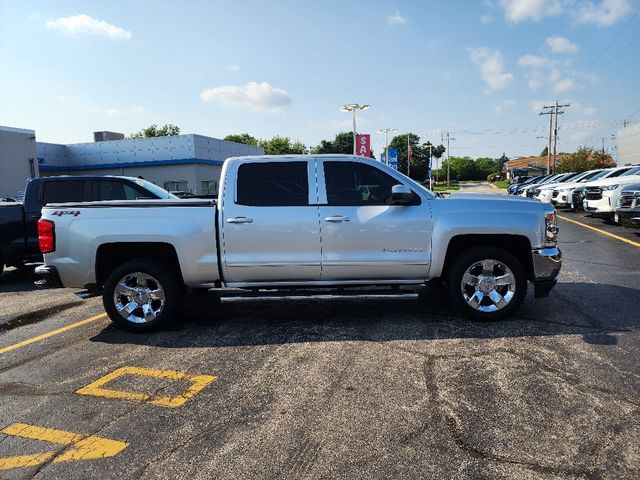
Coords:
343,143
420,155
281,146
585,158
242,138
167,130
545,152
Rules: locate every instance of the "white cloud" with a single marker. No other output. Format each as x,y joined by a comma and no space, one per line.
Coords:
397,19
84,24
517,11
565,85
583,109
259,97
504,105
536,105
604,13
559,44
232,67
486,18
535,84
136,109
533,61
491,67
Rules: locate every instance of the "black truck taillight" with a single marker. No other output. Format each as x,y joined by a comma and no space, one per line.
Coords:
46,236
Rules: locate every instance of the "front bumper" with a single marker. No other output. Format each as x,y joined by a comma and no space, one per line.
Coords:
628,216
546,267
47,277
603,205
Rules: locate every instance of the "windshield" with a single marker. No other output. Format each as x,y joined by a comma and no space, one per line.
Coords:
590,176
568,177
633,171
618,173
156,190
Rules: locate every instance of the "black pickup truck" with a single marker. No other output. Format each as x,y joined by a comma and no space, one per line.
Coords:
19,221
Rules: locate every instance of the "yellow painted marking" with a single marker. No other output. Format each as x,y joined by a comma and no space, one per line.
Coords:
80,447
51,334
198,383
603,232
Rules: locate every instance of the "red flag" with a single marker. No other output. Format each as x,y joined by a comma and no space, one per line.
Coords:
410,152
363,144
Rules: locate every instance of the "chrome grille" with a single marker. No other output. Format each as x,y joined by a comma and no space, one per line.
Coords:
626,200
593,193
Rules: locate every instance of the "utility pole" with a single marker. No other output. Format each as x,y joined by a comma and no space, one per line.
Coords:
448,160
430,145
408,157
553,111
555,134
603,145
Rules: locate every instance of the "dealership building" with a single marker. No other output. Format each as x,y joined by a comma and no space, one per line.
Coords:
187,163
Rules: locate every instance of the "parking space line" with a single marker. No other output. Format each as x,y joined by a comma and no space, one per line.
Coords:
603,232
79,447
52,333
198,382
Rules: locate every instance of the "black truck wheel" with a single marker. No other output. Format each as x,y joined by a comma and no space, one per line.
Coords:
487,283
141,295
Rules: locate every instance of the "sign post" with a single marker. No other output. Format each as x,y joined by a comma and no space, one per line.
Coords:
393,158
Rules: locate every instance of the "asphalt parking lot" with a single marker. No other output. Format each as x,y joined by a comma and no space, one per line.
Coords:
326,388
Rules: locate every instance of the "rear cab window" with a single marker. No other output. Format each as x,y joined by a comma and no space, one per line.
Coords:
64,191
273,184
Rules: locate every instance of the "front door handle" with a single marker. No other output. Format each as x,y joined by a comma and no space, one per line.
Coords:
337,219
239,220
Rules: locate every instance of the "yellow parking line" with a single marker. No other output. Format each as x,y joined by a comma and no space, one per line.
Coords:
52,333
603,232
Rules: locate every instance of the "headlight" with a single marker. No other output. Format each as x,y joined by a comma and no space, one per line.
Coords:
609,187
550,229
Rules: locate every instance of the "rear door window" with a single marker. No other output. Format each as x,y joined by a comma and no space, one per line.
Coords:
273,184
64,191
120,191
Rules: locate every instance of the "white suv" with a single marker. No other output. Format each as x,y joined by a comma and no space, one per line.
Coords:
601,196
547,191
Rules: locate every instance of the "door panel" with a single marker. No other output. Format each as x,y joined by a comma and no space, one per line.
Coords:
269,221
363,235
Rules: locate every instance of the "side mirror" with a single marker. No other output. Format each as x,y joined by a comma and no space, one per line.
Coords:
402,195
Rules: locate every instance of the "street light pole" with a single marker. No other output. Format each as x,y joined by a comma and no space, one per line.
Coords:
352,107
386,142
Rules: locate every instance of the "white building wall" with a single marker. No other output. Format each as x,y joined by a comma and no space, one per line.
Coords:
629,145
18,160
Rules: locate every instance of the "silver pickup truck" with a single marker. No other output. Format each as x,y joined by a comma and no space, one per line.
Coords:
302,221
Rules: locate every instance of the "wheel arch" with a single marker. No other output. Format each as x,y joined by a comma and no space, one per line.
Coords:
518,245
111,255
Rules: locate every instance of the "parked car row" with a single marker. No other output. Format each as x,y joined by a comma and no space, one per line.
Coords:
609,193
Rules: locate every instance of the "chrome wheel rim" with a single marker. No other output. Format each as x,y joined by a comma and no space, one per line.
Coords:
138,297
488,285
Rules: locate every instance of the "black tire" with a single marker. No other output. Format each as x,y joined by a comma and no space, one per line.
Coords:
162,278
472,256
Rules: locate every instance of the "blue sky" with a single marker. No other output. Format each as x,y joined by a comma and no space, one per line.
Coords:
479,69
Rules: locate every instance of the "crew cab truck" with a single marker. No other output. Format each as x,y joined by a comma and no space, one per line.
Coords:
19,221
282,222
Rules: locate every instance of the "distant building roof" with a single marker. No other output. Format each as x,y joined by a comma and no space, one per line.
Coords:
532,161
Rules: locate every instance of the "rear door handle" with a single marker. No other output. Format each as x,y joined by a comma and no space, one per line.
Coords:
239,220
337,219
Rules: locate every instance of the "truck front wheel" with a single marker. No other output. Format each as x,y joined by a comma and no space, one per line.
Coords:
487,283
141,295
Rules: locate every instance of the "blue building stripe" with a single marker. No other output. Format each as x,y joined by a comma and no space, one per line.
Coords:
152,163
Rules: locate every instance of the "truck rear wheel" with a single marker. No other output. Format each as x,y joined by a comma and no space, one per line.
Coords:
141,295
487,283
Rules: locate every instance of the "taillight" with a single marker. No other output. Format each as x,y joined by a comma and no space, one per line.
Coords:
46,236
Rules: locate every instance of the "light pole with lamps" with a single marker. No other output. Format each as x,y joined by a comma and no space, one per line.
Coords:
352,107
386,142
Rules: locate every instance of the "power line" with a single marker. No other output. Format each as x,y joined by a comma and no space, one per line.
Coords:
624,27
